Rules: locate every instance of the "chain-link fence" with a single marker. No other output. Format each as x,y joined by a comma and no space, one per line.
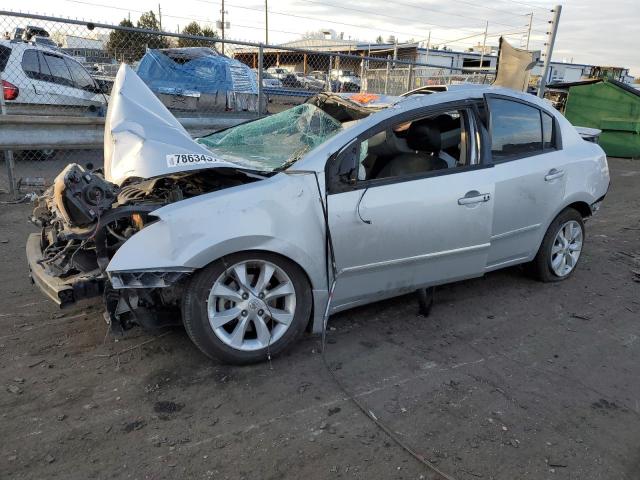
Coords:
57,75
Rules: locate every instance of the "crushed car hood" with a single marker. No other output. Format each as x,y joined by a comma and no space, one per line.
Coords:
143,139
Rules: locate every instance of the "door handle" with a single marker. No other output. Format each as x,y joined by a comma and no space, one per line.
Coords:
553,174
474,197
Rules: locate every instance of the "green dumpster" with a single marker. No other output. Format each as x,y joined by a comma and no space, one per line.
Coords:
614,108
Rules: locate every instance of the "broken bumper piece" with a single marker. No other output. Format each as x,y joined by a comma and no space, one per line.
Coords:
64,291
146,279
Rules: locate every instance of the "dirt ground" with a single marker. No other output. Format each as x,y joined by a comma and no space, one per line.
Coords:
508,378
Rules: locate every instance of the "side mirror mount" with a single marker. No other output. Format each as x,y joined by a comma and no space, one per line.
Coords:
348,163
343,169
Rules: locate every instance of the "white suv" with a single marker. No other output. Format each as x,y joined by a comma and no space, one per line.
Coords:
36,77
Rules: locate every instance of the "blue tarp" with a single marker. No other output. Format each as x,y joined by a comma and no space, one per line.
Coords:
195,69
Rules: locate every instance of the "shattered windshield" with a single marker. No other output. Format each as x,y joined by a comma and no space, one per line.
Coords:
275,141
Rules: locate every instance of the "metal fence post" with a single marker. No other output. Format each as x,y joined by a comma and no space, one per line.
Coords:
410,77
363,84
260,74
386,75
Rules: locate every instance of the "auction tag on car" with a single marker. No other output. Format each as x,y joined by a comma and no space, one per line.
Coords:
180,159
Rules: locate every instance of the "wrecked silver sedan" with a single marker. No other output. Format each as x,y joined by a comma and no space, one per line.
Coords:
253,234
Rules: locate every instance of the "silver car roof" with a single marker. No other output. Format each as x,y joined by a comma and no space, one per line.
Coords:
316,159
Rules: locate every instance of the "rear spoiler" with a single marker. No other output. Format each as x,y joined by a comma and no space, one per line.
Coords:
589,134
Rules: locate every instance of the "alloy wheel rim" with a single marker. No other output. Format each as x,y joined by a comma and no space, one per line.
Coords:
251,305
566,248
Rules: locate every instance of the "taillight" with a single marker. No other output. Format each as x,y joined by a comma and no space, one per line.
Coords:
10,91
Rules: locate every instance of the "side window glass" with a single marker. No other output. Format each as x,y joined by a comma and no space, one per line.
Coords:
30,64
5,53
80,76
548,136
515,128
436,142
58,68
45,73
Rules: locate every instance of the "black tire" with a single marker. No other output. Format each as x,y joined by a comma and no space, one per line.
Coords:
196,320
540,267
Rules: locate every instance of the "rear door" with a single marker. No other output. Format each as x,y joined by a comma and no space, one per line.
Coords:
52,80
529,177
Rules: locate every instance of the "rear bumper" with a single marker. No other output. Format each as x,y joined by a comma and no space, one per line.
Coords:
63,291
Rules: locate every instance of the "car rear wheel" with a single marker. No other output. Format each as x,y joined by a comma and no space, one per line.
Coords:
246,307
561,247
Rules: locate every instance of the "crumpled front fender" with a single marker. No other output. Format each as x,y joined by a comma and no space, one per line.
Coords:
281,214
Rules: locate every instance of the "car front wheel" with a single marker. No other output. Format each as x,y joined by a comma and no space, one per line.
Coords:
561,247
246,307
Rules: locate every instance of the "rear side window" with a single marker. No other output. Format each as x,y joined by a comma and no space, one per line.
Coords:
45,73
516,128
58,68
548,135
5,53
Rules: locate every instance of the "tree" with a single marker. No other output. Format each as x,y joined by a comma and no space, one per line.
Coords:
124,46
148,21
379,39
128,46
194,29
209,32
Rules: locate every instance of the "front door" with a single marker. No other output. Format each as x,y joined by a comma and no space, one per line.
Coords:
393,235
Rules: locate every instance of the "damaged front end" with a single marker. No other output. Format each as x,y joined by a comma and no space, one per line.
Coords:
85,219
150,161
86,216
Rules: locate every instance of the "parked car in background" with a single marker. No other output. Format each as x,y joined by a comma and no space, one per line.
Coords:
199,79
287,77
345,81
319,75
247,234
269,80
37,35
38,79
309,82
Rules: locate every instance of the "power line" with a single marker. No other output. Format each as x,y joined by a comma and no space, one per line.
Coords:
346,23
261,27
178,17
538,7
421,7
274,12
384,15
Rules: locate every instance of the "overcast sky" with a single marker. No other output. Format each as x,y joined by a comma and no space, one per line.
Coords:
591,31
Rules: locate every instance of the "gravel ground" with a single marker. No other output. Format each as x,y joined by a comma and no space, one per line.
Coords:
508,378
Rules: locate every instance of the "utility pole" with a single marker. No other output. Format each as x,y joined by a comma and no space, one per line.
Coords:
266,22
426,58
484,44
159,17
549,52
529,30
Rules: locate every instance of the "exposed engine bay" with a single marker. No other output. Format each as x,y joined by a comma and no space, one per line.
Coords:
85,219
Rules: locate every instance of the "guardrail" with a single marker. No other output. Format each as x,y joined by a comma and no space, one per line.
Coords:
20,132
